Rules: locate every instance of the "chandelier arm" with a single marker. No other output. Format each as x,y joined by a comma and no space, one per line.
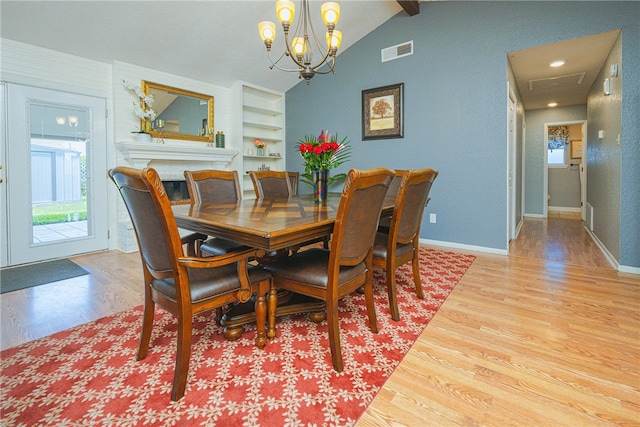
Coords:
275,64
330,70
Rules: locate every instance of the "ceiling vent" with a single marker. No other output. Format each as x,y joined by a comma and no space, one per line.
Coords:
557,82
397,51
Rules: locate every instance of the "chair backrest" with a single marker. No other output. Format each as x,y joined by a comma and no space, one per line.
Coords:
271,184
358,215
294,178
213,186
150,210
394,186
411,200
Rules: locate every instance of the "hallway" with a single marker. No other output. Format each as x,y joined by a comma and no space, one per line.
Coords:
560,238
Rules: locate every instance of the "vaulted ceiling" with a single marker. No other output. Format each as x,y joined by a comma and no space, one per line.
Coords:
217,41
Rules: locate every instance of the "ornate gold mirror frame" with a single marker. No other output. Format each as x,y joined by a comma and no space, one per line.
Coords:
180,114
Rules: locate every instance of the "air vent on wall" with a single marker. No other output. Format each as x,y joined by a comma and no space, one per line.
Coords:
556,82
397,51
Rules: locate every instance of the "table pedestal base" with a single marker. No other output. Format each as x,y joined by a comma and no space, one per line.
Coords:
236,317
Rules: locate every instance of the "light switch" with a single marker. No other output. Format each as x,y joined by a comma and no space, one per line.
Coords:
601,134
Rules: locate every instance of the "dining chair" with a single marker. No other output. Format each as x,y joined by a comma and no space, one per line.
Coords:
294,179
271,184
184,285
331,274
385,222
400,244
215,186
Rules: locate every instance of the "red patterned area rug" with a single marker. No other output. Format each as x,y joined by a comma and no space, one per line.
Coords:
88,375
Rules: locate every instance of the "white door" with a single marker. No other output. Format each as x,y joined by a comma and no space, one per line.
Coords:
56,174
3,179
511,154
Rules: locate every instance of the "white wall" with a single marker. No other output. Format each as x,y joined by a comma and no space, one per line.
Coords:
34,66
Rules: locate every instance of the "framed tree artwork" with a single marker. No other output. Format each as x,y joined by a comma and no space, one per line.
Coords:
382,112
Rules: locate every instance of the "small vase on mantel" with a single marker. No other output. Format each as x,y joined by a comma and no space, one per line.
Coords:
320,185
143,137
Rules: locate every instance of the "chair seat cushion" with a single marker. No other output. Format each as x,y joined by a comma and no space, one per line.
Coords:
208,282
217,246
311,267
380,247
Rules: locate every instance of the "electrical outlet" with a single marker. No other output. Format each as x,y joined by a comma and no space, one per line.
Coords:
432,218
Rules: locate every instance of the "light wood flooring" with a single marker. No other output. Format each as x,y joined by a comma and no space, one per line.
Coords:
522,340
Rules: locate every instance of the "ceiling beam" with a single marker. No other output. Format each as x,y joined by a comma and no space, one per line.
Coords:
412,7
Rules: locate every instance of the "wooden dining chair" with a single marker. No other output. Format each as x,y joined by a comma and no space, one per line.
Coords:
385,222
183,285
215,186
294,179
400,244
271,184
329,275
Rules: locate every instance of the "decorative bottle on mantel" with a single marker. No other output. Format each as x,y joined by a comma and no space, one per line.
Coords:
220,139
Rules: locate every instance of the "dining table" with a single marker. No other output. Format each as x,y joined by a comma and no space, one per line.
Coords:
273,227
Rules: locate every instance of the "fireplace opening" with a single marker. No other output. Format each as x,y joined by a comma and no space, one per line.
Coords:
177,192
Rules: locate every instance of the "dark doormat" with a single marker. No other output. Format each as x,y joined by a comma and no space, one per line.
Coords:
16,278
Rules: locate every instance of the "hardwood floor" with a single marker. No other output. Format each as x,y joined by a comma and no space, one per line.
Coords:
522,340
561,238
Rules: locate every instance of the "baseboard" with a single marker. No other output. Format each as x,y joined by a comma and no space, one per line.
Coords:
518,228
464,247
564,209
612,260
626,269
535,215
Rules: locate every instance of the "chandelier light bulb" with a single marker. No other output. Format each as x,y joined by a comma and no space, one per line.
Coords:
330,13
267,30
285,9
334,40
60,120
298,46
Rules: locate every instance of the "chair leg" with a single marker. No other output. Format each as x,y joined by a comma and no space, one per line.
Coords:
368,297
391,290
334,335
415,263
147,321
185,326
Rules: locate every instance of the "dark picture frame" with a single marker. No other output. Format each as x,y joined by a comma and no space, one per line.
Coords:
382,112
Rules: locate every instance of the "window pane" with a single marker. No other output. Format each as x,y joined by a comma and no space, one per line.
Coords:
556,156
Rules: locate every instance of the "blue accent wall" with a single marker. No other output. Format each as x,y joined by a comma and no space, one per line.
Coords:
455,102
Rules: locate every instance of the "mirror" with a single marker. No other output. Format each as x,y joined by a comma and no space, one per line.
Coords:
180,114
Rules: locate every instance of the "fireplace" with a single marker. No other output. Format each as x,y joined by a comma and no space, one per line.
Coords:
170,160
177,192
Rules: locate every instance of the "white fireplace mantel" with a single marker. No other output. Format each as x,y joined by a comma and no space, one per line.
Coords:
172,159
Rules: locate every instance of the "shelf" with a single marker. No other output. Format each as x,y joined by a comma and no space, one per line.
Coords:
262,110
248,156
262,125
263,138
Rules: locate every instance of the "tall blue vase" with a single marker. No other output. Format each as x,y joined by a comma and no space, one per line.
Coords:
320,185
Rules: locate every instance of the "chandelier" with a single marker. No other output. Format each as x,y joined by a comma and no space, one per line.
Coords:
299,46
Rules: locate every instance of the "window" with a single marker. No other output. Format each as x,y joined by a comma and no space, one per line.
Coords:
557,155
557,145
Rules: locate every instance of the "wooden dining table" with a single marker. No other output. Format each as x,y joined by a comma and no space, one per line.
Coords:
271,226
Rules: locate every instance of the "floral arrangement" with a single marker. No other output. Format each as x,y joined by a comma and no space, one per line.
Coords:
259,143
323,152
145,99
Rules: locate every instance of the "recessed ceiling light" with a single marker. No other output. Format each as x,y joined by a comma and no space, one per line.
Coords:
558,63
552,104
